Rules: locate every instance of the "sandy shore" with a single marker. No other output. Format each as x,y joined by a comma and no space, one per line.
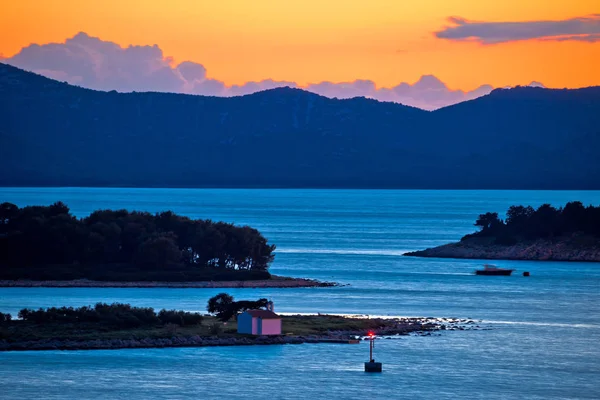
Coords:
276,282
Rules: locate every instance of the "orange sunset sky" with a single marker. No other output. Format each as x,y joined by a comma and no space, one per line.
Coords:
309,41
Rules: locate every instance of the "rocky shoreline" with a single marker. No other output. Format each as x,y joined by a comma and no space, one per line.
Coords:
538,250
394,327
275,282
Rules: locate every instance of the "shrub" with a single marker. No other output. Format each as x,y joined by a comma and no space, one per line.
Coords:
180,318
114,315
170,317
192,318
215,328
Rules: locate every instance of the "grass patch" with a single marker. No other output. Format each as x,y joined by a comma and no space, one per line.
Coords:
319,324
21,331
18,331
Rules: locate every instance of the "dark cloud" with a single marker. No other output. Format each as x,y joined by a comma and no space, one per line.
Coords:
577,38
91,62
576,29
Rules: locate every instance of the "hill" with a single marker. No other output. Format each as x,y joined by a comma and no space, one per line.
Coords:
52,133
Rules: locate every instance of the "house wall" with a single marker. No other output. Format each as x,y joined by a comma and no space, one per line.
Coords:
254,326
271,327
246,323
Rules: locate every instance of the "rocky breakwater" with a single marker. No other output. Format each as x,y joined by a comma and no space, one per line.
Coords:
559,249
176,341
411,325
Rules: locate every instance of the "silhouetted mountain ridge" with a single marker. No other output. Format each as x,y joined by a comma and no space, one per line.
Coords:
52,133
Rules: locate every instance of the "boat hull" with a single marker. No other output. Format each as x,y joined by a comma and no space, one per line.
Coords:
505,272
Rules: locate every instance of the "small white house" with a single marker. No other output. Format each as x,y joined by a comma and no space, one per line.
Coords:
259,322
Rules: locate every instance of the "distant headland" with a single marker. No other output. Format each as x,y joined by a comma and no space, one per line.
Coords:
48,246
570,233
56,134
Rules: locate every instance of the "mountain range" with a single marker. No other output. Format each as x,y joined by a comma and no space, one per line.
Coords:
56,134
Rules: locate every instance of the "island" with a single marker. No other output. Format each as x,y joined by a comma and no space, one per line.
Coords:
48,246
118,326
569,233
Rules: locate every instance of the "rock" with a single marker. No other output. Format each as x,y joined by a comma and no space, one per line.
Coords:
557,249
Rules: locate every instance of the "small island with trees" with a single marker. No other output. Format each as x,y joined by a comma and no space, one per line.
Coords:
118,326
569,233
48,246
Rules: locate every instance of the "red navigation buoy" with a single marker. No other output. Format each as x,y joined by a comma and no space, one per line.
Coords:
371,365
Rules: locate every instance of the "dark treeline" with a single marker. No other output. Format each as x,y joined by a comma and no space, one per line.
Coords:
109,315
545,222
48,242
225,307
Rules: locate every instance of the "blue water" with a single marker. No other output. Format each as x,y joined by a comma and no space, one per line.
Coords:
540,342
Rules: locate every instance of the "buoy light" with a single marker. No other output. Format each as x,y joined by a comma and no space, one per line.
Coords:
371,365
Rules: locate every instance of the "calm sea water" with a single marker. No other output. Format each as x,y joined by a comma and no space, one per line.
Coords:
540,342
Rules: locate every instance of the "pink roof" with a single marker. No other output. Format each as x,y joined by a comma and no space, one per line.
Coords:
264,314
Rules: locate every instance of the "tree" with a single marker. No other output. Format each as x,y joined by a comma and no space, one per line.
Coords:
488,222
8,211
574,217
132,242
518,216
219,303
545,221
57,208
158,252
225,307
5,317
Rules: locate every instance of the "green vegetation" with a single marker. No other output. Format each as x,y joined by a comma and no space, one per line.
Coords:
18,331
122,321
225,307
103,321
49,243
115,315
545,222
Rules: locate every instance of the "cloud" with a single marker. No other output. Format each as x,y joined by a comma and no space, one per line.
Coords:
428,92
536,84
96,64
191,71
342,90
585,29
